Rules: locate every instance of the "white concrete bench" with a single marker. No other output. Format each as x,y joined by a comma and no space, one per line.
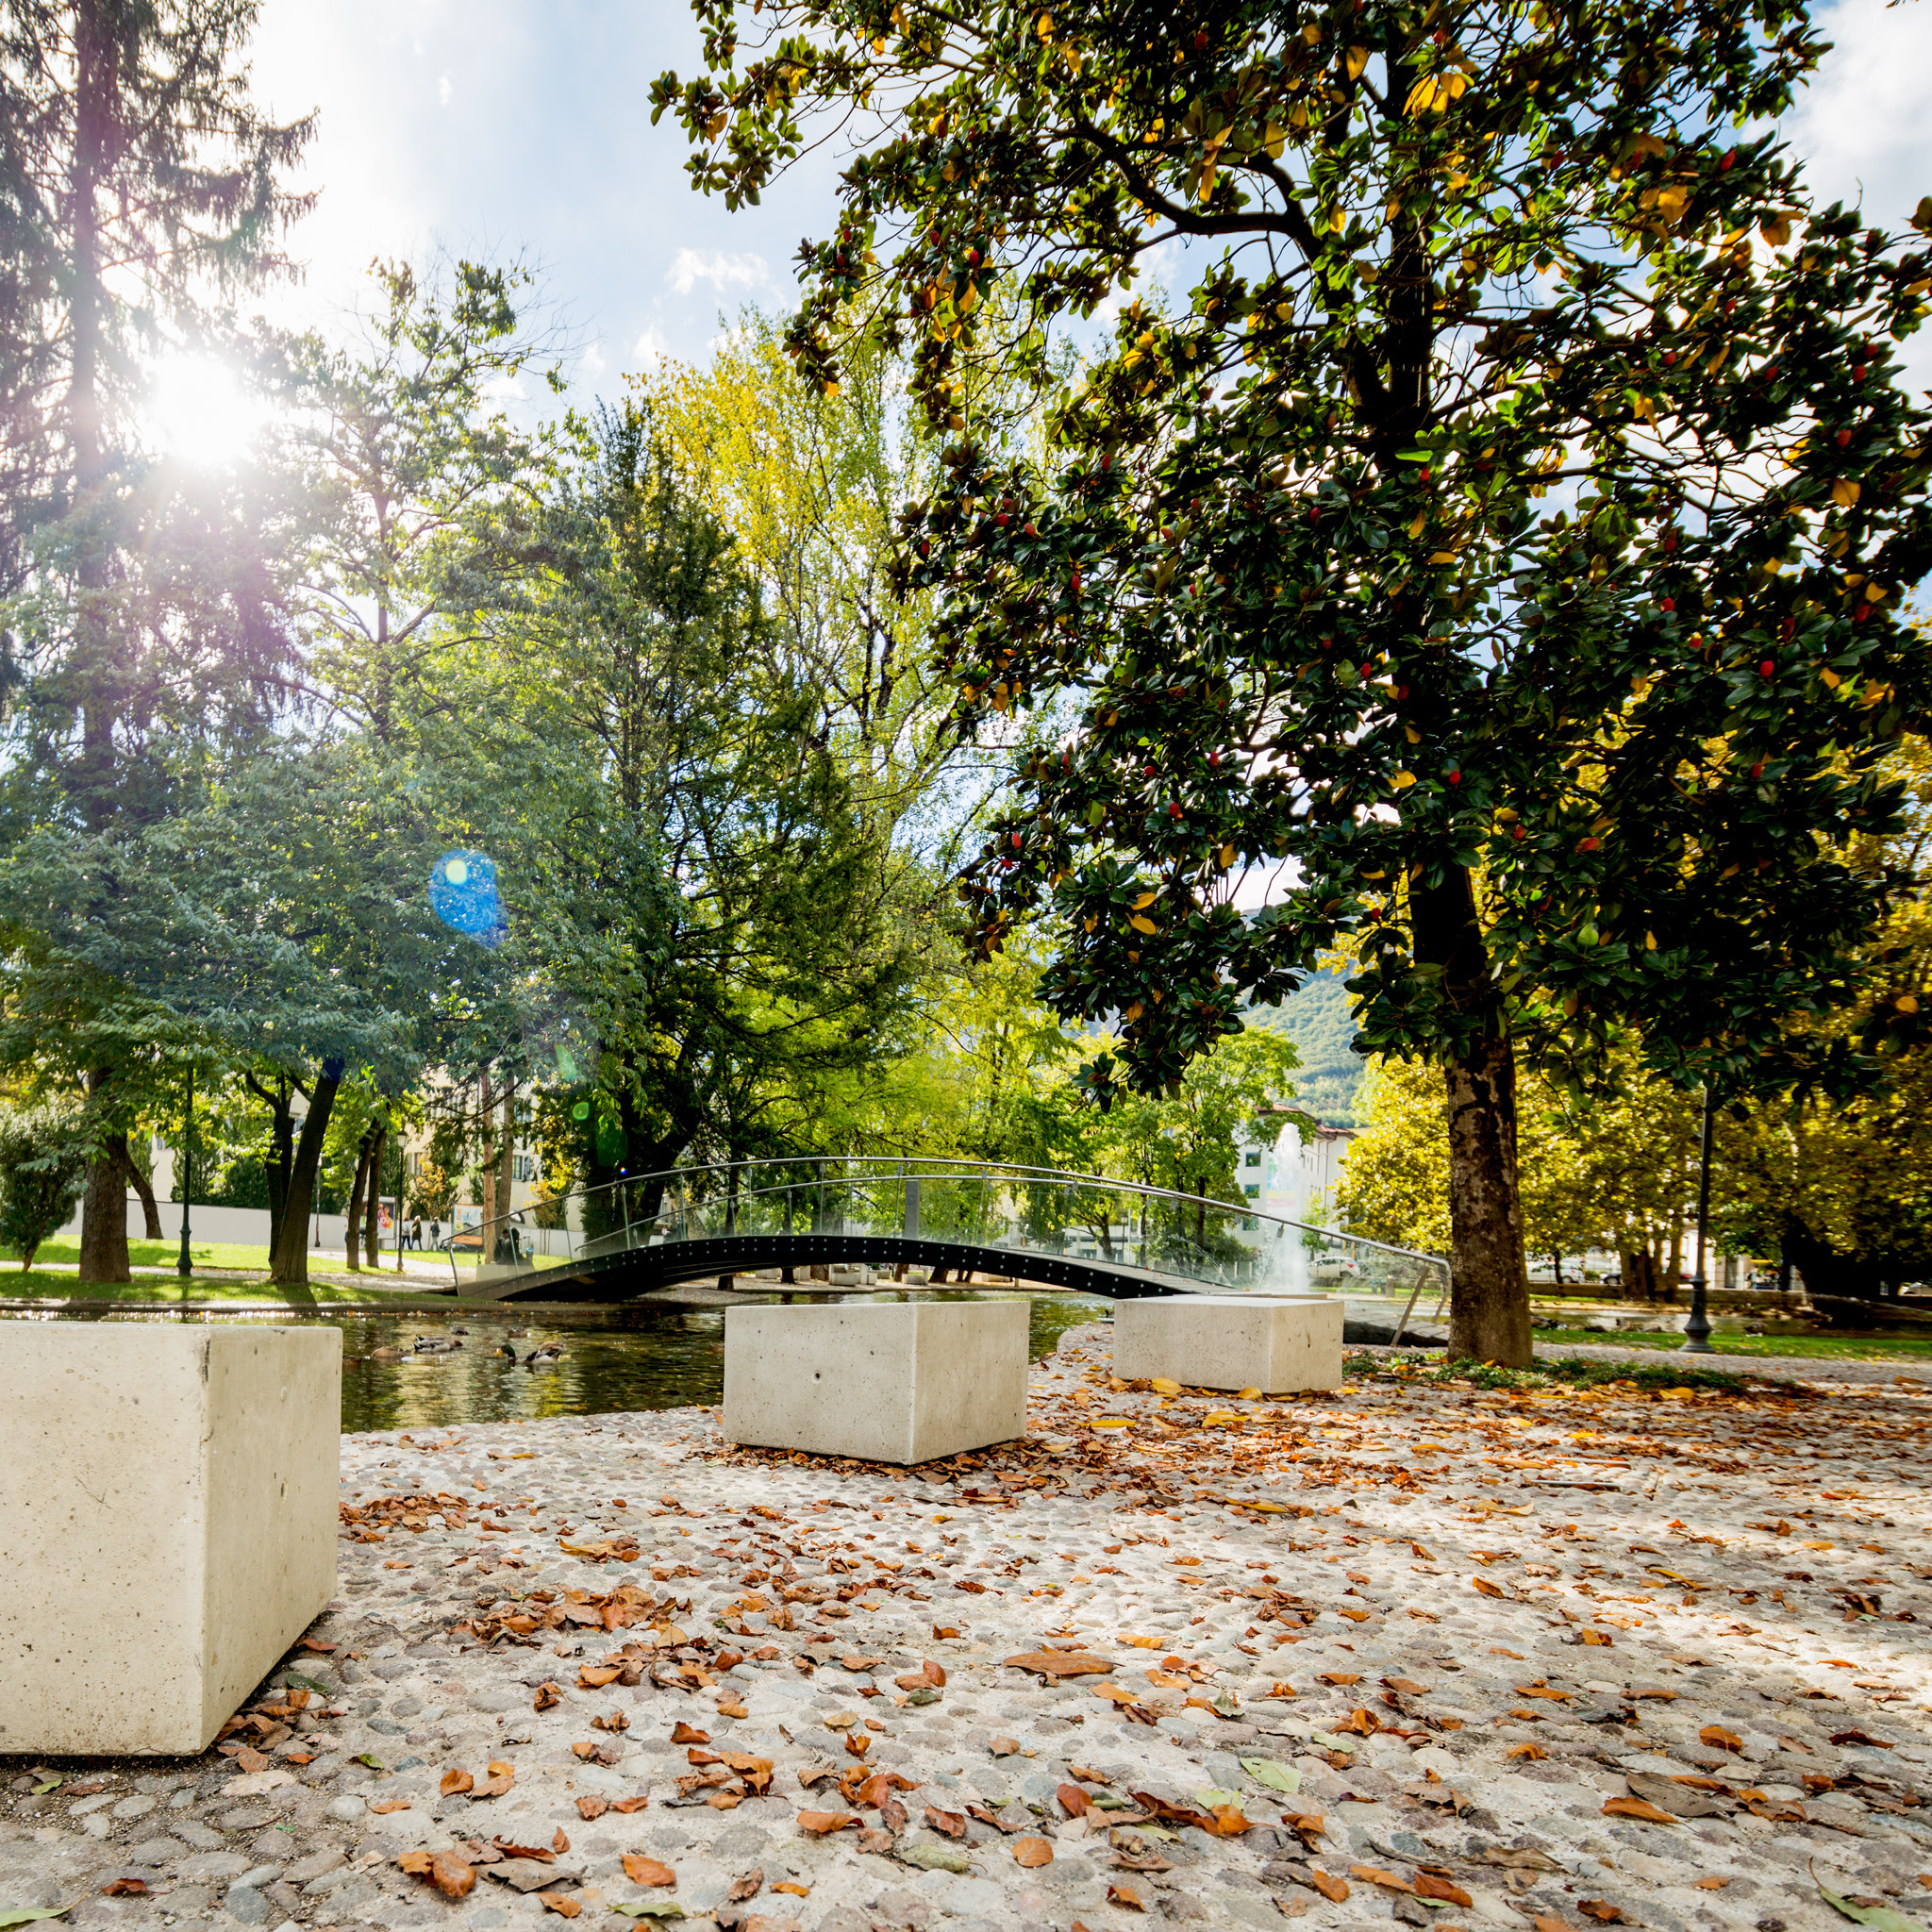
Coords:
169,1526
1275,1343
883,1381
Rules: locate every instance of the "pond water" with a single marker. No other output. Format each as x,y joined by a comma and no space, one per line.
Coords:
621,1358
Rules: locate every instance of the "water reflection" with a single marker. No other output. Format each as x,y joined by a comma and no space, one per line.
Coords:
637,1357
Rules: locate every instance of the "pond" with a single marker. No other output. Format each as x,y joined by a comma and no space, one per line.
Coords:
648,1355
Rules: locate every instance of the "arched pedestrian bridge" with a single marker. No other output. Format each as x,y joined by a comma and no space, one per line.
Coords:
914,1221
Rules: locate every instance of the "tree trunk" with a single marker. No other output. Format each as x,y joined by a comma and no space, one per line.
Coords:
104,1214
352,1221
150,1208
104,1207
1489,1296
289,1259
372,1226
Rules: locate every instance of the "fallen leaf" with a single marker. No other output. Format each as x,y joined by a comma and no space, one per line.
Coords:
1719,1739
1374,1874
1525,1751
951,1824
1484,1585
499,1780
1548,1921
1031,1852
1883,1918
1333,1888
658,1909
1601,1910
1714,1883
450,1872
1428,1885
821,1824
558,1842
732,1706
1003,1747
858,1743
589,1808
1060,1663
1276,1777
124,1888
390,1804
682,1733
747,1887
1074,1801
630,1804
560,1903
1638,1808
547,1696
792,1885
455,1782
1339,1676
1125,1894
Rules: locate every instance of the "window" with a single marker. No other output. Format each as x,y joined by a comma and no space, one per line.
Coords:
1255,1158
522,1166
1253,1193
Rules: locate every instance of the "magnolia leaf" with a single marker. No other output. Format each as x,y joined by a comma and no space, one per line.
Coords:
1276,1777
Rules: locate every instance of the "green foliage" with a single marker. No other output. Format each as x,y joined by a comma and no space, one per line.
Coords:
43,1160
1505,527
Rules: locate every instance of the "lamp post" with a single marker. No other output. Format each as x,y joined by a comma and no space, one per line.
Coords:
184,1264
1697,1329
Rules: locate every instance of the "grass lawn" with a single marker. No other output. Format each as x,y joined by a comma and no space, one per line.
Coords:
40,1284
142,1254
1864,1348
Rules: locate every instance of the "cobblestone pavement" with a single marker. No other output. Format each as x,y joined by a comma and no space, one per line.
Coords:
1415,1652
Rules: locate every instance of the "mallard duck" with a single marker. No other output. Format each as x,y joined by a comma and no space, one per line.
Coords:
428,1344
385,1354
549,1352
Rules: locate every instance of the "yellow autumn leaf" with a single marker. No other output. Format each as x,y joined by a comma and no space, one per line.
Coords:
1140,923
1844,493
1044,27
1226,857
1403,780
1415,529
1777,229
1421,95
1164,1385
1830,676
1145,900
1357,59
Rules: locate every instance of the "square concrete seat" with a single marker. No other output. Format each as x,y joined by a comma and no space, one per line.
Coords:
1277,1343
884,1381
169,1528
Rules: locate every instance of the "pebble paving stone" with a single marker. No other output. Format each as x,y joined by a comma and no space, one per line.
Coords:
1419,1650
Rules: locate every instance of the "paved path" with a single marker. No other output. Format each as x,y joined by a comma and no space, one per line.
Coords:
1588,1658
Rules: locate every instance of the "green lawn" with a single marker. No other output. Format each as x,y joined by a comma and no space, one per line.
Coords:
40,1284
161,1253
1869,1348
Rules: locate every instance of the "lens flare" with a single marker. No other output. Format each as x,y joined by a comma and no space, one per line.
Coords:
463,894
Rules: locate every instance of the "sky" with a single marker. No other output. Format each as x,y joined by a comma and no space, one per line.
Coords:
505,128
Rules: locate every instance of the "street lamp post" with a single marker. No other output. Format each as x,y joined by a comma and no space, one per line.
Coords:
1697,1329
184,1264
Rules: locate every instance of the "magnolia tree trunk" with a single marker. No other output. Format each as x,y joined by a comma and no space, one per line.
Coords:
288,1261
1489,1298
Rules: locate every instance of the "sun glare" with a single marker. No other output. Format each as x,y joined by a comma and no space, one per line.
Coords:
200,412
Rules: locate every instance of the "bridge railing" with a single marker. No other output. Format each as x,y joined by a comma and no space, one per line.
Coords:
1193,1241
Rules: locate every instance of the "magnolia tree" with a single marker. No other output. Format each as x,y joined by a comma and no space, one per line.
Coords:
1497,535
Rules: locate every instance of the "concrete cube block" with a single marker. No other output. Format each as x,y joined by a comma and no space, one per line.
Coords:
1275,1343
886,1381
169,1528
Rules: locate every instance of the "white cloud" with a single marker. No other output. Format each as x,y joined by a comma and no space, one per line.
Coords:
591,363
442,90
648,348
1860,128
721,271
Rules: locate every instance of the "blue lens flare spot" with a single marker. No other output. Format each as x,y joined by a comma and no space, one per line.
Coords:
463,894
